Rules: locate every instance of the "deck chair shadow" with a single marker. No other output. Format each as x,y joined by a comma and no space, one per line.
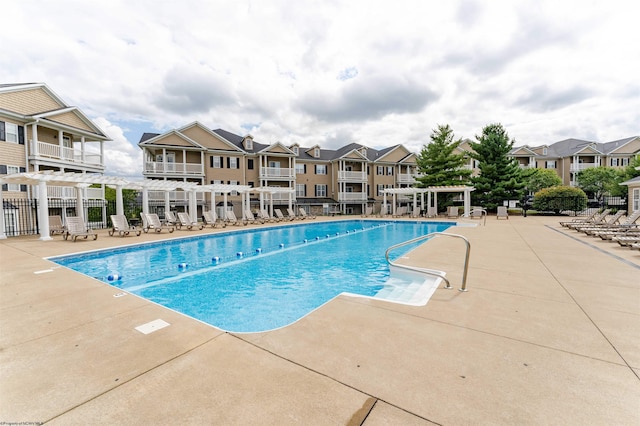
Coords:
120,226
76,228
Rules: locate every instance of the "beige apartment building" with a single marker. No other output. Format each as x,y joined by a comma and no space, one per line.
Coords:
571,156
325,181
40,132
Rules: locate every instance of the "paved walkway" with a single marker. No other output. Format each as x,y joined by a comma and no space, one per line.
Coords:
548,333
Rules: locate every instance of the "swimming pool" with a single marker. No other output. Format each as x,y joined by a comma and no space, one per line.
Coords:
262,278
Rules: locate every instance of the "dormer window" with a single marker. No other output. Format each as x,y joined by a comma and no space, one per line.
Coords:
544,151
295,150
316,152
248,143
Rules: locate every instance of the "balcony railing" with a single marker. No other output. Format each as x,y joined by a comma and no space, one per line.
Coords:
283,196
581,166
352,196
49,150
173,196
173,168
407,177
69,193
276,172
352,176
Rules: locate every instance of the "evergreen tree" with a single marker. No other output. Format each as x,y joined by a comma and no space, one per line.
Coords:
439,164
500,176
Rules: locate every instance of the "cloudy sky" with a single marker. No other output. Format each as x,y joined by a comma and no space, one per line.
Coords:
333,72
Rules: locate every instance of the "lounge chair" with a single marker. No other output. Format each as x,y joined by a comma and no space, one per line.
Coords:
151,221
597,219
251,218
280,216
76,228
588,218
367,212
628,225
400,211
415,212
55,225
477,213
185,220
120,226
304,214
211,219
170,218
432,211
262,214
502,213
232,219
608,223
292,214
452,212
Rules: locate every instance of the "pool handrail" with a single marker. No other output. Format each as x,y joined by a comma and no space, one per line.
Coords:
426,237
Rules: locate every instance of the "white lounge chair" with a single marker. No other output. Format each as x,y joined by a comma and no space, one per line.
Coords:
304,214
170,218
415,212
211,219
120,226
55,225
432,211
151,221
502,213
76,228
232,219
453,212
280,216
292,214
251,218
368,211
185,220
262,213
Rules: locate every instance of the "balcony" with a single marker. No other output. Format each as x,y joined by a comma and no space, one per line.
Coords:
407,178
581,166
69,193
349,176
352,196
154,167
65,154
276,173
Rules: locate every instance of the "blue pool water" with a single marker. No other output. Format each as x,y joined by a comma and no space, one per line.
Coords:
258,279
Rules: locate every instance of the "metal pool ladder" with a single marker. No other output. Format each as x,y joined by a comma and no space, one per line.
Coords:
428,272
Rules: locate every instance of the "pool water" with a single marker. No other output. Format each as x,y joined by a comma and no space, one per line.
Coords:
258,279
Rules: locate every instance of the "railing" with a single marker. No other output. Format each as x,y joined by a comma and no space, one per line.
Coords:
283,196
49,150
581,166
173,196
427,271
479,213
352,196
407,178
173,168
276,172
352,176
66,192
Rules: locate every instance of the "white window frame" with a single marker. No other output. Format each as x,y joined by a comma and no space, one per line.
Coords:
13,186
321,190
234,163
321,169
301,190
635,199
550,164
217,162
234,182
11,132
299,169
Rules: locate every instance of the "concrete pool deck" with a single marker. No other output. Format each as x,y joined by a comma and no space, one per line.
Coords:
548,333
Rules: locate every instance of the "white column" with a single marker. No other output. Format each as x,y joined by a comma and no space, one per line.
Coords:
467,202
82,148
393,212
193,206
167,200
34,137
224,197
261,200
119,202
415,201
102,153
43,211
213,201
435,201
3,233
384,204
145,200
80,204
271,204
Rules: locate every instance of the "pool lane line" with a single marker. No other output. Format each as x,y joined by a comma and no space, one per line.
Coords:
625,261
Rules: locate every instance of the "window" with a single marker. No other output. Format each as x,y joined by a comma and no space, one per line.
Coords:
380,170
301,169
321,169
321,190
216,162
11,132
233,163
274,164
296,150
544,151
380,188
316,152
389,170
636,199
11,170
550,164
613,162
248,143
301,190
234,182
250,163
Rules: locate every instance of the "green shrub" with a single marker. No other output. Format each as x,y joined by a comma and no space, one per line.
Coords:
559,198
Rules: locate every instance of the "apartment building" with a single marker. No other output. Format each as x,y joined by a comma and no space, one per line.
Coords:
40,132
570,156
345,180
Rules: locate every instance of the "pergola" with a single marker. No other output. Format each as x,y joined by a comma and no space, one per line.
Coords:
432,196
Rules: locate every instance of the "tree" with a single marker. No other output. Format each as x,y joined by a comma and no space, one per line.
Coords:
537,179
438,162
500,176
598,181
628,173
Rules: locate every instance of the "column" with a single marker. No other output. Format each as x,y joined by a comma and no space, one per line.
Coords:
119,202
34,139
145,200
193,206
82,148
3,232
43,211
467,202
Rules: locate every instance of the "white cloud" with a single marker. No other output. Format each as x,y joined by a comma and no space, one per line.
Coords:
334,72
